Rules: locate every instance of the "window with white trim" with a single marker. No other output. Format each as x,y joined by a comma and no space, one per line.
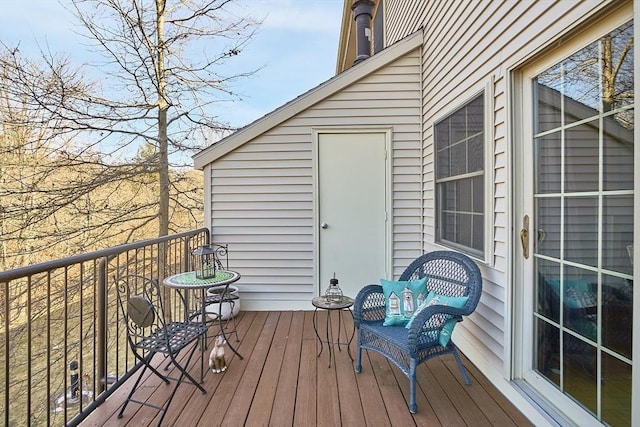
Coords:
459,145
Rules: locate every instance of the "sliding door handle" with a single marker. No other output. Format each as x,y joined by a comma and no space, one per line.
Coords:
524,236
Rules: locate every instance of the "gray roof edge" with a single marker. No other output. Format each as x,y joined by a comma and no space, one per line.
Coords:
306,100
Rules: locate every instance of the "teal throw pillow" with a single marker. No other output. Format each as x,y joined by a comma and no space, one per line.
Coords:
435,299
401,299
428,302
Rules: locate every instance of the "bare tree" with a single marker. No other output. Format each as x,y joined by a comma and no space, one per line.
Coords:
164,60
599,75
39,174
159,83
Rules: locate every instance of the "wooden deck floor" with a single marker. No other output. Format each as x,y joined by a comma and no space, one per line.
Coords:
281,382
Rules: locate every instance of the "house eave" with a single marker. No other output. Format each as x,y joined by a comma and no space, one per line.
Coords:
306,100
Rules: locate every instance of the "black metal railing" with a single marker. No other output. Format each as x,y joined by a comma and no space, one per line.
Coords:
63,349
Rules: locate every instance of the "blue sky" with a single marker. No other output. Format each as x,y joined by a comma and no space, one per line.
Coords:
296,46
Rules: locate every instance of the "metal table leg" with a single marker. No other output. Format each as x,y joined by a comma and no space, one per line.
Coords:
220,322
315,328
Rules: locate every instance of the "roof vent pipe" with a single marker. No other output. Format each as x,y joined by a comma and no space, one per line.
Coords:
362,14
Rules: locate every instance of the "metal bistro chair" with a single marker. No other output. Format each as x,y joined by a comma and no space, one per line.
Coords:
148,333
449,274
220,296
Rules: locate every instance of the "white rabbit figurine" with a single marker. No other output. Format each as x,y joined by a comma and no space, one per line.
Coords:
217,363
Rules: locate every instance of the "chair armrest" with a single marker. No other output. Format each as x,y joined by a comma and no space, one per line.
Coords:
369,305
427,324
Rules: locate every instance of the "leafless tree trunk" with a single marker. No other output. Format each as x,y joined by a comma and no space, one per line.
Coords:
163,106
167,58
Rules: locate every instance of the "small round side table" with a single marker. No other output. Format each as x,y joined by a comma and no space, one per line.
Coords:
323,303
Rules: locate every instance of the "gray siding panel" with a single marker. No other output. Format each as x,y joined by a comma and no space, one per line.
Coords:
262,193
403,17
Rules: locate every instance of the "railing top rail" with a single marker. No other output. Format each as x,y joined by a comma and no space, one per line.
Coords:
7,276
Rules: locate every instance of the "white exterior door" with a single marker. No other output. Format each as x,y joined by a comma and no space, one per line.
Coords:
576,216
352,188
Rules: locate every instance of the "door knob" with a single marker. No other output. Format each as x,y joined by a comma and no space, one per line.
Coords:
324,225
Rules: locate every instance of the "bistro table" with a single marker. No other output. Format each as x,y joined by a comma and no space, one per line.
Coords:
331,304
188,282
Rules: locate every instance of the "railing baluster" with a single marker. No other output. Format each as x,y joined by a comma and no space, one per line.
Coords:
102,345
61,311
7,317
29,343
65,356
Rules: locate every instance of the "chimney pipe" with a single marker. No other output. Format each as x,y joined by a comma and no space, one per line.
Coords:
362,10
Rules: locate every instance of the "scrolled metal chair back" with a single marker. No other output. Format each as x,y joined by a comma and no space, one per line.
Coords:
141,305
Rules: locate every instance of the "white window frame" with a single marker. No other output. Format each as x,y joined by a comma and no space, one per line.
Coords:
486,91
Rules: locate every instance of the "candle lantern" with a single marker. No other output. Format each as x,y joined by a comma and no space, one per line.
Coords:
204,261
333,292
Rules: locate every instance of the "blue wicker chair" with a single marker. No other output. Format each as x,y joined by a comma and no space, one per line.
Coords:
449,274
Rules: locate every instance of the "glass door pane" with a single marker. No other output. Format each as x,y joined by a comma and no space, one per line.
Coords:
583,226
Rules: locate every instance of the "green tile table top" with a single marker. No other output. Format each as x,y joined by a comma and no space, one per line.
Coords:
188,280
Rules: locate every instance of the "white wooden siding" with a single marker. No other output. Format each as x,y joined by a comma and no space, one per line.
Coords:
262,192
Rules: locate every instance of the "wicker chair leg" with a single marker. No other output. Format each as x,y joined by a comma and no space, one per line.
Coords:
413,406
463,371
358,356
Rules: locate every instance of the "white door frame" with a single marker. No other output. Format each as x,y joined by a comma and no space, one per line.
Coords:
521,270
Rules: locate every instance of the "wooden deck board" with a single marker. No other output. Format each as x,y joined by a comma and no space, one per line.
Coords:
486,396
285,397
351,413
392,397
239,408
305,409
216,411
375,413
281,382
455,391
189,410
260,408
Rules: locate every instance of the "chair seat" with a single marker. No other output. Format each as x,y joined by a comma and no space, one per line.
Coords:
393,342
394,334
179,335
390,341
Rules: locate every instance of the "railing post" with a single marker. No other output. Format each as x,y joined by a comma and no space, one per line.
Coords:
102,326
7,343
188,247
